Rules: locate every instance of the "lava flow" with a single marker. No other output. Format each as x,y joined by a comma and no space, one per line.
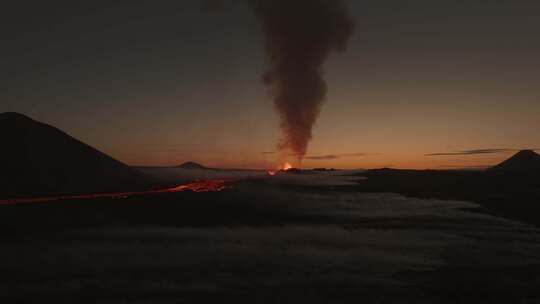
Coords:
196,186
201,186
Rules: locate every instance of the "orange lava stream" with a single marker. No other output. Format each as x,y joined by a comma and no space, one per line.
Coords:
197,186
201,186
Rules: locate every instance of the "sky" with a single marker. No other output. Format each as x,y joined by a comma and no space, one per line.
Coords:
423,84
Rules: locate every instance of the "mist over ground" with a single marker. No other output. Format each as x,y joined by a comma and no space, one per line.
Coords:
269,240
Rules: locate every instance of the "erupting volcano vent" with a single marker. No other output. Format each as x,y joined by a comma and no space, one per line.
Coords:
299,37
282,168
286,167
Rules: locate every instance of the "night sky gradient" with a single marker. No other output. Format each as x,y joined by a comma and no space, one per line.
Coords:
160,83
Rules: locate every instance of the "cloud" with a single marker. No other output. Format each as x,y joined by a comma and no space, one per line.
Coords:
479,167
325,157
322,157
334,156
472,152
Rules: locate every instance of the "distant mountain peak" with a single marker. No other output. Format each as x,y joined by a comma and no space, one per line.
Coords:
524,160
192,165
527,153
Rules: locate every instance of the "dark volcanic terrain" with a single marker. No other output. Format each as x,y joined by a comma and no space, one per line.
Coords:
317,237
286,239
510,189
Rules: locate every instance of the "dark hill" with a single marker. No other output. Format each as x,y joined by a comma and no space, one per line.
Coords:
510,189
37,159
523,161
192,165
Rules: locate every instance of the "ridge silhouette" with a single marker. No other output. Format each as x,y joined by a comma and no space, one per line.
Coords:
38,159
524,160
511,188
192,165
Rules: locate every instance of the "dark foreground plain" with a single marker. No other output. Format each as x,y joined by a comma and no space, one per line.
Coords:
291,239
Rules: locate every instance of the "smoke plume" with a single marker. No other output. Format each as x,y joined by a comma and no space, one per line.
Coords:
299,37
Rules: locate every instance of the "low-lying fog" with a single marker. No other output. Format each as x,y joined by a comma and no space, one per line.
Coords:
382,235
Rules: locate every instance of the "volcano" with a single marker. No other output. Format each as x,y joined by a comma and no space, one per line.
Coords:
37,159
192,165
523,161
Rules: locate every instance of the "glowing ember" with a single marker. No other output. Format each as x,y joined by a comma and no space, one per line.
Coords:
197,186
272,173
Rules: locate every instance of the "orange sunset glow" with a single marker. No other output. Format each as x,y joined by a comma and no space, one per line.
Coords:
387,103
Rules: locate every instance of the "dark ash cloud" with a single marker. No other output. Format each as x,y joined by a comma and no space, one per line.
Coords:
299,36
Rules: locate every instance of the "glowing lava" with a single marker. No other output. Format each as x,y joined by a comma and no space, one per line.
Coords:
196,186
286,167
282,168
202,186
